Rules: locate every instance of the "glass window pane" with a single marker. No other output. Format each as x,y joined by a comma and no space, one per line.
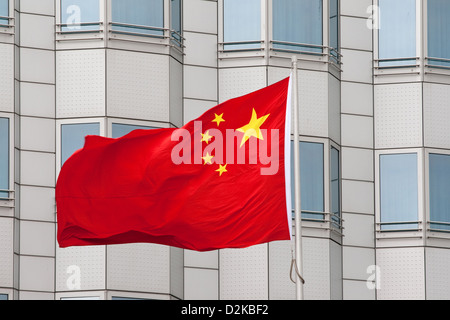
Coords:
76,12
398,191
397,34
439,31
311,179
298,21
335,187
334,28
72,137
242,22
4,12
439,191
119,130
4,157
175,6
3,297
144,17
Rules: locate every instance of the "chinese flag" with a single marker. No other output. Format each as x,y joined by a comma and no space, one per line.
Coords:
221,181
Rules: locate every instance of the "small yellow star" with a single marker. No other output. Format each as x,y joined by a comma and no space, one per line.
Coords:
218,119
206,137
222,169
253,128
207,158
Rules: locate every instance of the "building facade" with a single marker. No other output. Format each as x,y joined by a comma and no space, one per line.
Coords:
374,92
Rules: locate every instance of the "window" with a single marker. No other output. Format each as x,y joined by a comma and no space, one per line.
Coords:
397,33
3,296
4,13
439,186
297,25
335,188
242,24
80,15
4,158
311,181
175,8
72,137
438,32
334,29
119,130
398,191
138,17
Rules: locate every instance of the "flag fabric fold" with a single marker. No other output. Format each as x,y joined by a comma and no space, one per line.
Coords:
217,182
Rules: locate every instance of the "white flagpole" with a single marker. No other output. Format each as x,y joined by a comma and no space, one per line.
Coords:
298,226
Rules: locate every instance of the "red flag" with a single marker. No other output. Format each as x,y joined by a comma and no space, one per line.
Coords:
218,182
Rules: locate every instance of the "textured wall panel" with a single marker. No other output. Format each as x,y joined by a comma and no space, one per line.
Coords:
334,109
316,269
6,77
139,267
437,273
138,85
200,16
356,262
37,273
357,290
319,108
6,252
37,238
402,273
314,101
177,272
398,115
436,115
80,89
91,263
335,271
176,93
37,65
280,285
243,273
201,284
236,82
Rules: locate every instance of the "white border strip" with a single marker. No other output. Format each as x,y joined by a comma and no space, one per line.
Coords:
287,155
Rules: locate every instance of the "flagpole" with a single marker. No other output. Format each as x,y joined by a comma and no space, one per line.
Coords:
298,225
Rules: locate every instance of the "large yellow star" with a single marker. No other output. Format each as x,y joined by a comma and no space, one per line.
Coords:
253,128
218,119
222,169
206,137
208,158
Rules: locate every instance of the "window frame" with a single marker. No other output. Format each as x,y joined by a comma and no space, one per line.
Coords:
437,232
166,21
8,294
264,36
326,60
9,28
425,43
144,123
385,234
11,164
60,123
316,227
335,146
325,28
76,35
402,71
